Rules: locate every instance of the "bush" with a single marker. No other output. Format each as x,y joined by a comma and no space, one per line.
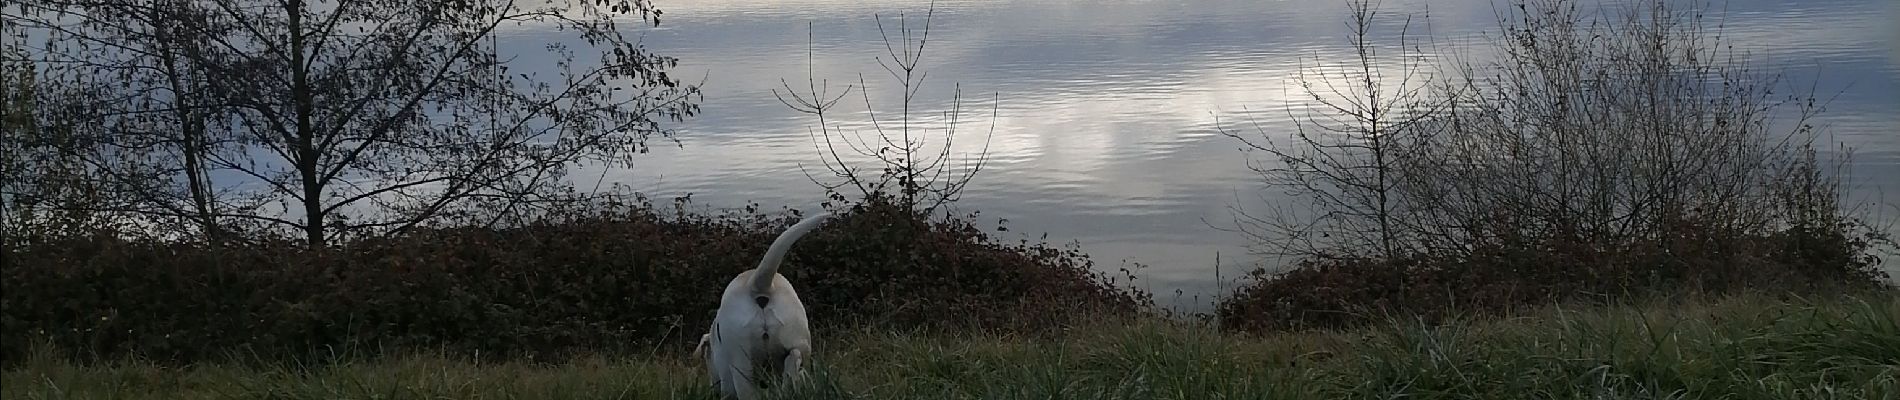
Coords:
1330,293
616,280
1597,153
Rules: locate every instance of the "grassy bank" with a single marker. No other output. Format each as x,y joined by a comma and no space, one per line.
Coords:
1747,347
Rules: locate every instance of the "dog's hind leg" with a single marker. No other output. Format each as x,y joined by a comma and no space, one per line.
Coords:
739,379
795,363
746,388
737,384
794,366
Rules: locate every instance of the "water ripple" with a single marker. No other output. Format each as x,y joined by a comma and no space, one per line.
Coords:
1108,126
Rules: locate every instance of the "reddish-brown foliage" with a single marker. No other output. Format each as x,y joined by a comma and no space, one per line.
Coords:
598,282
1510,273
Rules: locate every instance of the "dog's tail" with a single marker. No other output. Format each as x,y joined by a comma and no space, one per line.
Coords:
768,267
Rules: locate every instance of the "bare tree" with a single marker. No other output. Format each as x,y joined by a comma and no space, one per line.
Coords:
1345,156
1628,126
918,177
1617,125
341,117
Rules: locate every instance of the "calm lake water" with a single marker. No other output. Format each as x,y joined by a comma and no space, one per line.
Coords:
1106,129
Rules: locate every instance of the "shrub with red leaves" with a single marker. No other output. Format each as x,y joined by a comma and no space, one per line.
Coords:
595,282
1501,275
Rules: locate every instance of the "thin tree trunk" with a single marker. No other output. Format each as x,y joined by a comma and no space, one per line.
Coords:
306,136
193,144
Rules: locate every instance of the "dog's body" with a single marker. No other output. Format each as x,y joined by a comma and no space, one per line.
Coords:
760,323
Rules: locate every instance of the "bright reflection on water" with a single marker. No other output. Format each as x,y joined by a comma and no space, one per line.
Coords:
1106,128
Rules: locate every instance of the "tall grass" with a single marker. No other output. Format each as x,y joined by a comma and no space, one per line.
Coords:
1744,347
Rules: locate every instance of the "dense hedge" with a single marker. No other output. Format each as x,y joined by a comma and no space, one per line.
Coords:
599,282
1503,275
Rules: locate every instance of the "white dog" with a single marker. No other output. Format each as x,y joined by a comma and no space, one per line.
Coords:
761,323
